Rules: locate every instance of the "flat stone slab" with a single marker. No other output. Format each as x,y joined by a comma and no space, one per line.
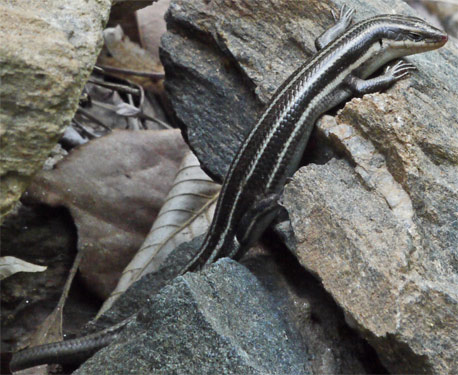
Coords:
218,321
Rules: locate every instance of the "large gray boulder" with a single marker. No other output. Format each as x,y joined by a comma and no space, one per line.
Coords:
377,227
271,319
220,321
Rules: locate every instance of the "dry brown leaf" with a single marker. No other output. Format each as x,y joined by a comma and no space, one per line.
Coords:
114,187
125,54
186,213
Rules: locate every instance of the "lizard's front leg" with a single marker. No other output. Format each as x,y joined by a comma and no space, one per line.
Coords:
392,74
341,24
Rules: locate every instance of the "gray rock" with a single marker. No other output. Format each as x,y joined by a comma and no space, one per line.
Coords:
220,321
316,324
215,56
138,295
223,61
399,197
369,260
47,51
391,217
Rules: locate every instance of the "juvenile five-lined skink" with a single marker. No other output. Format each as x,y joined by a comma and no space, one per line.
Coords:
273,149
271,153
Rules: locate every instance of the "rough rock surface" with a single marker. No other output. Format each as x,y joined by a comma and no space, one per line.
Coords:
382,233
223,59
194,318
373,266
214,55
225,320
47,50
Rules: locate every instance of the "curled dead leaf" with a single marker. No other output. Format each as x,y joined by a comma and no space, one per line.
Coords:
114,187
186,213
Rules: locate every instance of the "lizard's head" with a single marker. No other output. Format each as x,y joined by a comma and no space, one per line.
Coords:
405,35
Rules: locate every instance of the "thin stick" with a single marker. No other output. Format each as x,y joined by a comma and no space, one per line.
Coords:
114,86
84,129
90,116
153,75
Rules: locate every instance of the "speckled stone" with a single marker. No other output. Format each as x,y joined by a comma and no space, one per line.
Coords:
219,321
47,51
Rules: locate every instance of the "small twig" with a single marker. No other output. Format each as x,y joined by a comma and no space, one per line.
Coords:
140,105
91,117
98,69
134,122
156,120
142,95
131,100
142,101
84,129
114,86
153,75
141,115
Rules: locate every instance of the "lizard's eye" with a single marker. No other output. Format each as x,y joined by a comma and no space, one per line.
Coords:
414,37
